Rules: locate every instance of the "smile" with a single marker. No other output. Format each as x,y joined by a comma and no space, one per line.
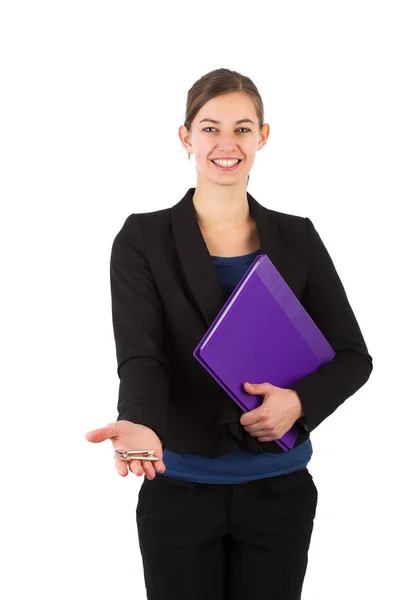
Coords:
226,165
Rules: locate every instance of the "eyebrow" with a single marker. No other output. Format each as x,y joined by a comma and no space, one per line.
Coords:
219,122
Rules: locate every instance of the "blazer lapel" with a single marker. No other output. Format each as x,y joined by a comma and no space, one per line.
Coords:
200,272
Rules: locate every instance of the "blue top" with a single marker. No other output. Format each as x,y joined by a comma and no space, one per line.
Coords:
240,465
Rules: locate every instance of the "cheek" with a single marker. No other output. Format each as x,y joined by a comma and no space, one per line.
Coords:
205,150
250,148
203,155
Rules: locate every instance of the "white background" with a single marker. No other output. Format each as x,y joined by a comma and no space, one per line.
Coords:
93,94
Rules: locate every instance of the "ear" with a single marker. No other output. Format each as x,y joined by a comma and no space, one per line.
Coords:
264,134
184,136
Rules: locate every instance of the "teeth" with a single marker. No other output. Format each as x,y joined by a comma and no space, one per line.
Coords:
226,163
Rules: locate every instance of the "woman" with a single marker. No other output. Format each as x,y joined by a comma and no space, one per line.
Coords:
229,514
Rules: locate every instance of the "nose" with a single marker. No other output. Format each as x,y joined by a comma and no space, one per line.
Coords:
226,143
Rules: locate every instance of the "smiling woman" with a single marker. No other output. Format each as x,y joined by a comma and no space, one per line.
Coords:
224,512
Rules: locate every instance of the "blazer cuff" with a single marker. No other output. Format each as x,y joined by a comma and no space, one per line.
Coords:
324,390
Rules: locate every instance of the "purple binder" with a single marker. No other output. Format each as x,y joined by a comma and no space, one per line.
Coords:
262,333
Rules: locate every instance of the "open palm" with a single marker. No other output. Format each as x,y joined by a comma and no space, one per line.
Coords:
126,435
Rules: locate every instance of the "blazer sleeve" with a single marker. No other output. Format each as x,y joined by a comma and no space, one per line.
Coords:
325,299
137,315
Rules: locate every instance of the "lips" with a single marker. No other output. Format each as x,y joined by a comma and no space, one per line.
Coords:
232,168
239,159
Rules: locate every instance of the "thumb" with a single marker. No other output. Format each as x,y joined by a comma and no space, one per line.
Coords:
104,433
259,388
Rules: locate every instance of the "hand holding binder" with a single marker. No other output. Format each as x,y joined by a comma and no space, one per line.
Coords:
279,410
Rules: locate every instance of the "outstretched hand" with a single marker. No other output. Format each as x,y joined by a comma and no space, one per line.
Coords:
126,435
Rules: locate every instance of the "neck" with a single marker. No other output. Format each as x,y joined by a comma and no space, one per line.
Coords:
221,207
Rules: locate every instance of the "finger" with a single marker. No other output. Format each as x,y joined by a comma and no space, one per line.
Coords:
257,426
259,430
270,436
103,433
257,433
148,468
250,419
159,466
135,466
121,467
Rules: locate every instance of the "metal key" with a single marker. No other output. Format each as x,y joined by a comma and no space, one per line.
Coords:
135,454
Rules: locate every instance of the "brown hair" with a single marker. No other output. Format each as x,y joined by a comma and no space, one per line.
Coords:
215,83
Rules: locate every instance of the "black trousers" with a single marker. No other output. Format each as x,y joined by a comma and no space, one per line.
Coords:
241,541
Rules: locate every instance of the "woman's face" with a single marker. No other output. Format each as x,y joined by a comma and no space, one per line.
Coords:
226,127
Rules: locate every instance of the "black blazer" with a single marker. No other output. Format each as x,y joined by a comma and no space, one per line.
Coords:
166,292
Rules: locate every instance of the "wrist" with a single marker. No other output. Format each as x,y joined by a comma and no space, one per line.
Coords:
298,404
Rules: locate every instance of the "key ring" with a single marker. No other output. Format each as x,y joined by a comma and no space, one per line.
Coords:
135,454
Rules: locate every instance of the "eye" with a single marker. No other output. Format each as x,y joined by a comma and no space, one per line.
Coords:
204,129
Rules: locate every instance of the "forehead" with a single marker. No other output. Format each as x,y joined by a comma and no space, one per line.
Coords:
228,107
